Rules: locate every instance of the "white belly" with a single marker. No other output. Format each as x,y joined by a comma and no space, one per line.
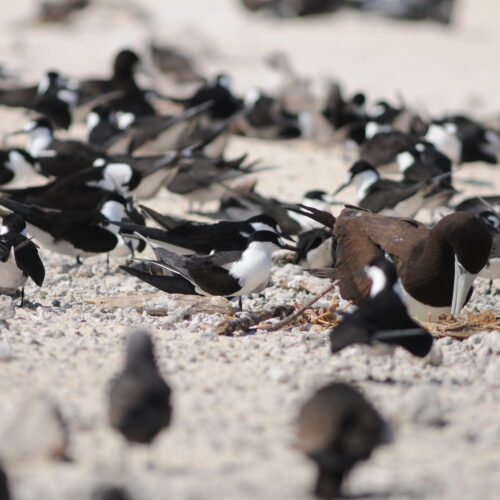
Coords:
11,277
62,247
420,311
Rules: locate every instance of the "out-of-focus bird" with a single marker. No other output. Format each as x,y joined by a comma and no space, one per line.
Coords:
139,398
336,428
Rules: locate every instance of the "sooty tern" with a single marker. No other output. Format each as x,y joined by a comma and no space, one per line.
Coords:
382,318
228,274
19,257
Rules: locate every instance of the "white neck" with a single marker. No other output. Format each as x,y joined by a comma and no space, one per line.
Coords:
445,140
39,141
378,279
363,181
113,211
405,160
116,175
253,269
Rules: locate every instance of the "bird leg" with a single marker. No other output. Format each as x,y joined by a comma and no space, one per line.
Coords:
22,297
240,303
328,483
78,261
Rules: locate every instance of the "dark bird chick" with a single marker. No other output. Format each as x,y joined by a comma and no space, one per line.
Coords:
382,318
338,427
139,398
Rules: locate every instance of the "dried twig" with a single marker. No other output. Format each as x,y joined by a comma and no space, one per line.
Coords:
280,324
249,319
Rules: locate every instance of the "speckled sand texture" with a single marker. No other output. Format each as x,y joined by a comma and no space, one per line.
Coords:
235,399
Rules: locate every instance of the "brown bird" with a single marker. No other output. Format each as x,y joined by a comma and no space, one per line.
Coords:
436,267
338,427
139,398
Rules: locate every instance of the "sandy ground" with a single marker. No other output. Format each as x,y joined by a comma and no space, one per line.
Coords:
236,399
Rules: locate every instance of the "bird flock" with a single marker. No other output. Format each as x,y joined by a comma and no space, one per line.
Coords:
81,198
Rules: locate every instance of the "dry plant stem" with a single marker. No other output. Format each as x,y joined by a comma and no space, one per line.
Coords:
276,326
251,319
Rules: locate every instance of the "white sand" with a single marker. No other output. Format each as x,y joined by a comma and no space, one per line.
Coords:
236,399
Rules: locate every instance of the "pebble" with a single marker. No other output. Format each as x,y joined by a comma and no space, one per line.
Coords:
492,373
5,351
7,307
38,432
423,406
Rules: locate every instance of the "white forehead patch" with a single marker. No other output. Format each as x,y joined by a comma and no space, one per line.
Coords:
92,120
405,160
377,278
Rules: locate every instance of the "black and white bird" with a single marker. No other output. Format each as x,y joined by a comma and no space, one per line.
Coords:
139,398
132,98
57,157
227,274
238,205
217,91
336,428
19,259
78,234
201,179
54,96
486,208
392,197
19,169
314,248
422,162
382,318
185,237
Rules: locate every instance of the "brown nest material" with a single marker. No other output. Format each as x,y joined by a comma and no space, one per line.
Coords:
464,326
325,317
447,325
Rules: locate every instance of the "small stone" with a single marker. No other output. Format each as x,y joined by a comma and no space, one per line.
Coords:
492,340
492,373
38,432
423,406
435,356
5,351
278,374
7,308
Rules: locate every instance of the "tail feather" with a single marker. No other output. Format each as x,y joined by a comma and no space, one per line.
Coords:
169,284
417,341
326,272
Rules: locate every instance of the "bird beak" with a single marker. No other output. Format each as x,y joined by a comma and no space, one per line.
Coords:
461,285
341,187
284,246
285,236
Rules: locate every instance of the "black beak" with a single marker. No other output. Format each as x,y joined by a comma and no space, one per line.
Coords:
341,187
284,246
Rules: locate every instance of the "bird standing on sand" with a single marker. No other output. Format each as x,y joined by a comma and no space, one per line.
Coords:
139,398
19,257
338,427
